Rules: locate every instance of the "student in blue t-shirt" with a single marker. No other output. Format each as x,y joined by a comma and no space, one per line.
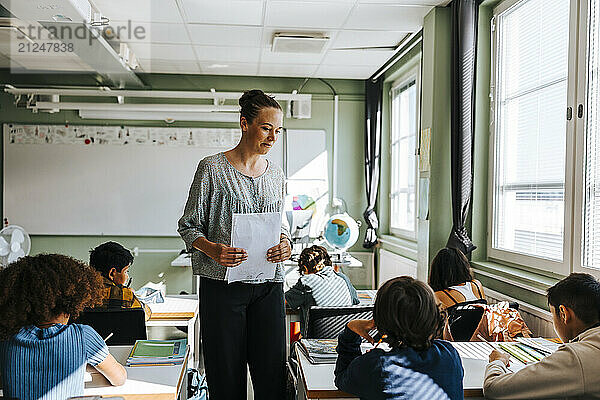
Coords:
41,357
418,366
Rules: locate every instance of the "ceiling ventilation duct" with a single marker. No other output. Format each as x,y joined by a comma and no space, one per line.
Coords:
312,43
71,22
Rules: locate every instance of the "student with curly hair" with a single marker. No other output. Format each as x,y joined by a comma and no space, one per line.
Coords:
419,366
41,356
319,284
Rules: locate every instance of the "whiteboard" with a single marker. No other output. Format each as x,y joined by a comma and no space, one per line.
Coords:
74,189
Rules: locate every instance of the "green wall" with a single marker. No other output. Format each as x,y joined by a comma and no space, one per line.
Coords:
434,51
156,266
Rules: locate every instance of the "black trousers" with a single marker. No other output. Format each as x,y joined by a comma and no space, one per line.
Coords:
243,324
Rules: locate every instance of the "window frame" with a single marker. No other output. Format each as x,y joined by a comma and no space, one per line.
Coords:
581,143
413,73
544,264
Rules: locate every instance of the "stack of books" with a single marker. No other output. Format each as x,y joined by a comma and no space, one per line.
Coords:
319,351
157,353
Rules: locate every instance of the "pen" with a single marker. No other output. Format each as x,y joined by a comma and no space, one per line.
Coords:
493,348
108,337
380,340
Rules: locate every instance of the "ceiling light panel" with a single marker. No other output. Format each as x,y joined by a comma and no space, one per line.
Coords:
302,15
140,10
387,17
225,12
299,43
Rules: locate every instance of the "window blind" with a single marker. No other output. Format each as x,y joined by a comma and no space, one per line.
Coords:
530,128
591,211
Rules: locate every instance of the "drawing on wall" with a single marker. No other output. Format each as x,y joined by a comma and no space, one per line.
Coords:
123,135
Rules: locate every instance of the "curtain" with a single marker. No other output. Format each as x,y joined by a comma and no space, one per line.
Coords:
464,54
373,93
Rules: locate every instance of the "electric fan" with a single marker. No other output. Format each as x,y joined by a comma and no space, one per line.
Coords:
14,244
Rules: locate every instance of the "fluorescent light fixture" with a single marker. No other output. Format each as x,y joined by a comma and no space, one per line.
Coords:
169,116
190,108
165,94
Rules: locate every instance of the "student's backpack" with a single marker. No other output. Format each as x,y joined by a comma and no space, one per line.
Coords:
196,389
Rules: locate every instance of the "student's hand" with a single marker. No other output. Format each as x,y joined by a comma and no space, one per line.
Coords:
362,327
498,355
227,256
281,252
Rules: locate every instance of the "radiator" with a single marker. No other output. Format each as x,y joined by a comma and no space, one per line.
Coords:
538,320
392,265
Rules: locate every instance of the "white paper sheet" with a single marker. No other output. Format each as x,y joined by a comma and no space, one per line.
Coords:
256,233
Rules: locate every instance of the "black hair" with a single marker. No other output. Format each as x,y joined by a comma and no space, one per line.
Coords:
313,259
450,267
406,311
252,101
580,293
110,255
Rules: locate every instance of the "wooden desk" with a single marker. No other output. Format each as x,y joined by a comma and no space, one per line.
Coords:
316,381
152,383
179,310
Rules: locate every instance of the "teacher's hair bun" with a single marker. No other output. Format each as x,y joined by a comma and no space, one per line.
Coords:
252,101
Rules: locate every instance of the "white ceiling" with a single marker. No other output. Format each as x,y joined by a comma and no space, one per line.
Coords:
233,37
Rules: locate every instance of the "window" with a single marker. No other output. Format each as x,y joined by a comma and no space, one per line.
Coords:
545,152
588,135
404,127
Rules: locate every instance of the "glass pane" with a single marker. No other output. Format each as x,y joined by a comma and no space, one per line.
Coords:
530,127
404,133
591,216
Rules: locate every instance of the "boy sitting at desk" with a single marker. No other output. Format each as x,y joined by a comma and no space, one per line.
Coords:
113,262
573,371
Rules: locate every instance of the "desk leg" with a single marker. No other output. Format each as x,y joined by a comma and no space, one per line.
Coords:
192,337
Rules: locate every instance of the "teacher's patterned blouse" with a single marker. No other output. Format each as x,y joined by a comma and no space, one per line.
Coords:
217,192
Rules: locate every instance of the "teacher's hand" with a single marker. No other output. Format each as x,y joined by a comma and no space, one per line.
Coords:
227,256
281,252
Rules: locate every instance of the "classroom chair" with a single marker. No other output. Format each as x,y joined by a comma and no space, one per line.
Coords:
329,322
125,324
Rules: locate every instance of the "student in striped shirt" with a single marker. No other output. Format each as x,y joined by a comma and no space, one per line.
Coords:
319,284
41,356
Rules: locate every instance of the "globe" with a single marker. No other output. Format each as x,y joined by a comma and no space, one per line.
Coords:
341,231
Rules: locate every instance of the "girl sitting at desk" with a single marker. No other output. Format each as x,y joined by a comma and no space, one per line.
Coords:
41,357
319,284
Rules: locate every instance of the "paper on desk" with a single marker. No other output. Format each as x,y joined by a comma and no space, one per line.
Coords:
256,233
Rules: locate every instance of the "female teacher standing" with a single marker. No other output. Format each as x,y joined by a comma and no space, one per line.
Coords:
241,322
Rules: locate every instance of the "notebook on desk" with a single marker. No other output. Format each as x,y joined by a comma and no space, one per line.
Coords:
157,352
